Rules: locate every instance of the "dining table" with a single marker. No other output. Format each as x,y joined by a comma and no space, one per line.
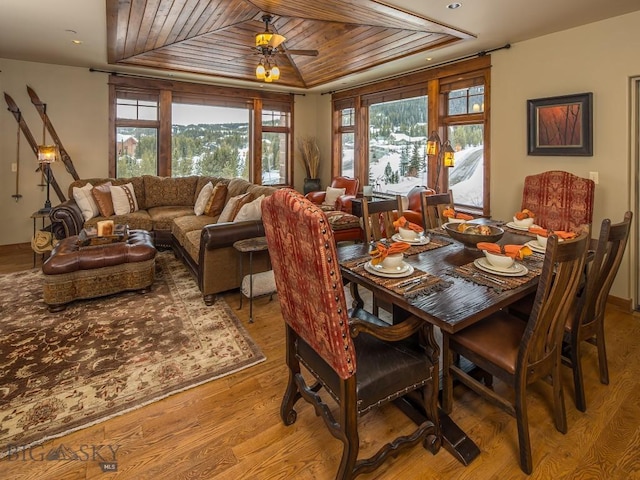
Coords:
443,284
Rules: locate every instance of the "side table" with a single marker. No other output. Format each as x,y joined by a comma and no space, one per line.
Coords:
250,245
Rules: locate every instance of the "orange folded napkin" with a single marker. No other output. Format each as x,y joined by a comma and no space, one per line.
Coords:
524,213
451,213
382,251
404,223
514,251
543,232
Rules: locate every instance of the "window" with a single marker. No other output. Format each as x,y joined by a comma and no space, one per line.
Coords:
179,129
389,123
136,134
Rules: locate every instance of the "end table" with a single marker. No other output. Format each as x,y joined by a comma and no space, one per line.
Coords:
249,245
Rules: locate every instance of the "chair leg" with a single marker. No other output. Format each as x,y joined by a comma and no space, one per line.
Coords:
447,380
559,411
349,434
602,355
578,380
524,442
292,393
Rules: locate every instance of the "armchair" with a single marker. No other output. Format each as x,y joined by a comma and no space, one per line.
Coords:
343,202
413,212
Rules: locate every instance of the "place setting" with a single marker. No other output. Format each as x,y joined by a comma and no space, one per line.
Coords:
522,221
415,236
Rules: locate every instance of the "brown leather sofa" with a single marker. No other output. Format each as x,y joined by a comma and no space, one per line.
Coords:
166,211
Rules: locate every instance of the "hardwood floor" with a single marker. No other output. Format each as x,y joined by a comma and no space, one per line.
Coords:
231,429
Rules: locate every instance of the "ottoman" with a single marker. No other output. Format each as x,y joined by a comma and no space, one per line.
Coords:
72,272
345,226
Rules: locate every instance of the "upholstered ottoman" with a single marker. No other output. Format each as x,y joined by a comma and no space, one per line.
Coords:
73,272
345,226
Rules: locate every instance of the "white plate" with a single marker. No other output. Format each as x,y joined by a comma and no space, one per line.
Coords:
535,246
516,227
418,241
517,270
403,271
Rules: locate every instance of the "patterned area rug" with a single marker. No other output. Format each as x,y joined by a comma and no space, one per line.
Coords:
61,372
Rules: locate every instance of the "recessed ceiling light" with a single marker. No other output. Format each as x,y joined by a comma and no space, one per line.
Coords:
429,59
453,6
76,42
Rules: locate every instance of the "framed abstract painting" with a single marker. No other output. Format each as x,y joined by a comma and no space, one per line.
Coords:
560,125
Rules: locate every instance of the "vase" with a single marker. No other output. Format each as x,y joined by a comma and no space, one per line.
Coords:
311,185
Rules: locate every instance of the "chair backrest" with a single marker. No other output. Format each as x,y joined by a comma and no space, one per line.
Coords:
308,280
378,217
560,200
557,287
432,207
602,270
350,185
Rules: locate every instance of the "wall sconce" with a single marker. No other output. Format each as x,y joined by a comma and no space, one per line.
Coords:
445,155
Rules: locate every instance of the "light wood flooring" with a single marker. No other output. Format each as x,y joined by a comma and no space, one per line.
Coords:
231,429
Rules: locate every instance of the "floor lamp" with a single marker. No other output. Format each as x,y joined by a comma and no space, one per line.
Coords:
47,154
444,155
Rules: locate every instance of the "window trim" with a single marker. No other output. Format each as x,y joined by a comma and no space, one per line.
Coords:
212,95
434,83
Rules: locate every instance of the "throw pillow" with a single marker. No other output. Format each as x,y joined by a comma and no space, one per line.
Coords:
124,199
250,211
84,199
102,196
203,199
216,201
332,195
233,206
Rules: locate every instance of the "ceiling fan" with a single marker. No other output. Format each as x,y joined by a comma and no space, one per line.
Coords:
269,43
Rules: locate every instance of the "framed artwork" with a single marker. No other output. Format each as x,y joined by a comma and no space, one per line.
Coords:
560,125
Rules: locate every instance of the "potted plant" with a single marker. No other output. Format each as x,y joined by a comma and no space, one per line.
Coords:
310,159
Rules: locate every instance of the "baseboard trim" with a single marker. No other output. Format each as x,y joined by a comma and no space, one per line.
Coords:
621,303
15,248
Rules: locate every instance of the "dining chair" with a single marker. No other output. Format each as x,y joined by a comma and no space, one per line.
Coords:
355,358
378,217
412,210
587,322
520,353
560,200
432,207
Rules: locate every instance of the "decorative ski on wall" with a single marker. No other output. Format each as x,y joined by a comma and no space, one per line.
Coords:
42,110
13,108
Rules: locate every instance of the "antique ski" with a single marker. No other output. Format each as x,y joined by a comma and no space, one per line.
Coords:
13,108
42,110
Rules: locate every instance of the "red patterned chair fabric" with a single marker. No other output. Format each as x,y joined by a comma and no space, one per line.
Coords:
560,200
359,361
343,203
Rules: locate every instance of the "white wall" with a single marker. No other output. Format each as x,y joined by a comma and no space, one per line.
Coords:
599,58
77,104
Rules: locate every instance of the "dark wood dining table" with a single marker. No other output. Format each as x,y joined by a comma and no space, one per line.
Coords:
457,296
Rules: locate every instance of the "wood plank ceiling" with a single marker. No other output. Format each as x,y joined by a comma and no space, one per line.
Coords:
217,37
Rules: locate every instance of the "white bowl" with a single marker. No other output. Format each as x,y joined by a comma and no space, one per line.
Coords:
393,261
408,234
542,241
525,222
499,260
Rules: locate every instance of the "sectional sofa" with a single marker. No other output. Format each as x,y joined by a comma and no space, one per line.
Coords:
165,206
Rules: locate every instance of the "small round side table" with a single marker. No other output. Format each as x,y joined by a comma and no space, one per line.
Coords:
250,245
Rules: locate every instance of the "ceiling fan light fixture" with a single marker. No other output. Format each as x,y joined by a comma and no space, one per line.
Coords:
267,77
275,73
263,39
260,72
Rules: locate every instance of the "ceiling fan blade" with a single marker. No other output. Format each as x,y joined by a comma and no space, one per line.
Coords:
276,40
309,53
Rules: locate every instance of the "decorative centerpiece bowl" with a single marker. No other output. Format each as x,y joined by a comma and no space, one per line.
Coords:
470,237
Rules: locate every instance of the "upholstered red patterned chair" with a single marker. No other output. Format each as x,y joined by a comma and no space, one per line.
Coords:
355,359
560,200
342,201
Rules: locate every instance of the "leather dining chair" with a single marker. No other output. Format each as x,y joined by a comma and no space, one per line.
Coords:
353,357
520,353
560,200
432,207
587,322
413,208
